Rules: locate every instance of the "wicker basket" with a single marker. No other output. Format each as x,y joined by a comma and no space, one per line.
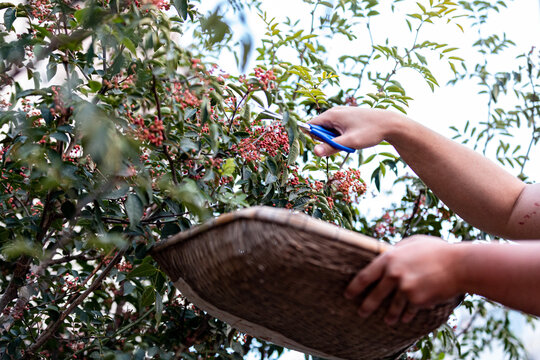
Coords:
280,276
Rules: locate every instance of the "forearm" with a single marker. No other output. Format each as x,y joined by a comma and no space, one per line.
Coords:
474,187
506,273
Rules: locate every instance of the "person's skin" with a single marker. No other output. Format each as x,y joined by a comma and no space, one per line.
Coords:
422,271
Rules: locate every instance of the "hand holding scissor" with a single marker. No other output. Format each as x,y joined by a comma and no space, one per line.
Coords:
317,131
325,135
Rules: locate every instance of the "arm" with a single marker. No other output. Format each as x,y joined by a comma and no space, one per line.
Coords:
423,271
477,189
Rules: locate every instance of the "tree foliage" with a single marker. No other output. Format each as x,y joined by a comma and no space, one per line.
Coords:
119,128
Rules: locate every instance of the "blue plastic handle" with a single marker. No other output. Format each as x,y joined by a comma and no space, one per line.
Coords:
328,137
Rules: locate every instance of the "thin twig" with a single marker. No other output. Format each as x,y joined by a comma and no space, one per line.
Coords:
144,221
469,324
236,109
415,211
18,200
301,57
69,258
534,137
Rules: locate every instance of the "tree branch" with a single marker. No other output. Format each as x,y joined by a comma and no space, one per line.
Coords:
21,268
69,258
164,147
51,329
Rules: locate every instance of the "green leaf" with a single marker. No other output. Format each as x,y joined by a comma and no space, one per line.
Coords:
129,45
229,167
159,308
145,269
68,209
128,287
9,17
272,165
170,229
118,64
51,69
60,137
134,209
294,151
148,296
187,145
270,178
205,111
94,85
182,8
383,168
247,46
370,157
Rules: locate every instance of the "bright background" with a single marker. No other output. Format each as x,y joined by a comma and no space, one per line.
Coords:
444,107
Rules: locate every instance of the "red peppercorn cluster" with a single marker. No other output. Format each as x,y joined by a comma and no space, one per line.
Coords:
31,111
386,227
317,185
4,104
41,10
59,106
152,133
330,201
268,139
120,81
17,311
70,283
349,183
75,346
196,64
161,4
185,97
265,78
74,154
37,207
124,266
351,101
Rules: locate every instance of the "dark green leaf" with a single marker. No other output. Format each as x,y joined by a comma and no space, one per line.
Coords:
128,287
169,229
293,153
60,136
51,69
148,296
145,269
68,209
159,308
134,209
182,8
9,17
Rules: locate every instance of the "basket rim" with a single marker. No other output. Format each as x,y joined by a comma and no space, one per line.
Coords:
295,220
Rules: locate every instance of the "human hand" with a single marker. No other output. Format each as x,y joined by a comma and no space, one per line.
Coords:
359,128
419,272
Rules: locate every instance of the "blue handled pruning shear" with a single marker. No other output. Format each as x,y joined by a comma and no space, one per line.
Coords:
325,135
318,131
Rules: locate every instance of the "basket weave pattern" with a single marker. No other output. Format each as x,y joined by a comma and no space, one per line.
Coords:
281,277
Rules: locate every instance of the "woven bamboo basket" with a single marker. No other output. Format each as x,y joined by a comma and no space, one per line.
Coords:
280,276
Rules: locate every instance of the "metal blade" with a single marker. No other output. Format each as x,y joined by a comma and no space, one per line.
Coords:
303,126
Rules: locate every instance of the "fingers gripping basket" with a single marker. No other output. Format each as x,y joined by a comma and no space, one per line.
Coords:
280,277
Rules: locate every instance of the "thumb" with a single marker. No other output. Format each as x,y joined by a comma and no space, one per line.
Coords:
325,149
